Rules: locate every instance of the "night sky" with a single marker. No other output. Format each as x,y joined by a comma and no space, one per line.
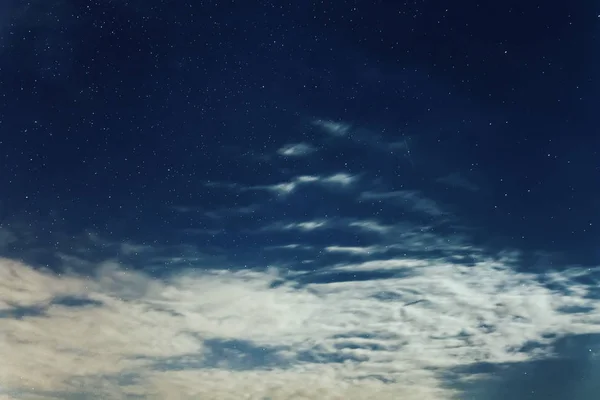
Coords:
299,200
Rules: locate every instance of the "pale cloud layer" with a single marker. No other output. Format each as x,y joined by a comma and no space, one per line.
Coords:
119,333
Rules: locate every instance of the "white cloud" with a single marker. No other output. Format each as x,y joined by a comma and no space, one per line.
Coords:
296,150
333,128
371,226
307,225
284,188
383,264
341,178
321,383
291,246
356,250
430,317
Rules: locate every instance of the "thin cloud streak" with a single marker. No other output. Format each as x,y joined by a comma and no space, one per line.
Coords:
305,226
296,150
355,250
337,180
371,226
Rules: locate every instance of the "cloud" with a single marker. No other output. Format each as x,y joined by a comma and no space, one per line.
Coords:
288,187
340,179
371,226
411,199
367,225
116,333
336,180
355,250
291,246
398,264
332,128
367,138
306,226
296,150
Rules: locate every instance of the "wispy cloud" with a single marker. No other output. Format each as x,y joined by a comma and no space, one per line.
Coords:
411,199
368,138
340,223
371,226
335,180
288,187
296,150
332,127
291,246
120,333
306,226
340,179
398,264
355,250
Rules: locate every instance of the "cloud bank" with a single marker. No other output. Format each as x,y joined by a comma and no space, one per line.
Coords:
119,334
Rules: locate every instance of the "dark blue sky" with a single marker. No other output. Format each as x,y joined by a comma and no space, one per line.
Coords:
314,144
